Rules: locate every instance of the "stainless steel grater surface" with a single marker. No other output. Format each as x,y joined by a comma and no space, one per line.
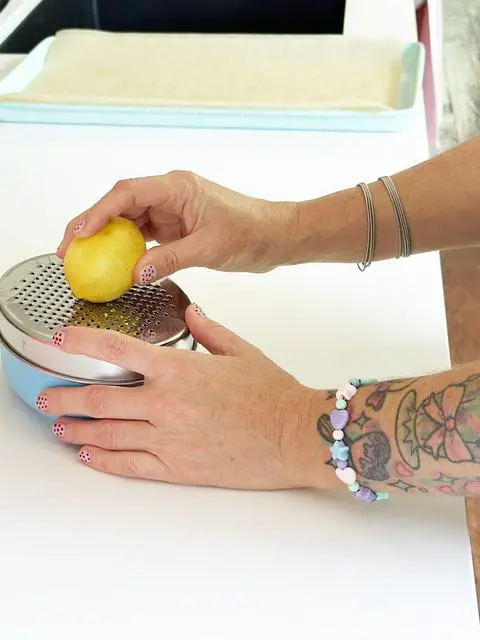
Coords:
36,301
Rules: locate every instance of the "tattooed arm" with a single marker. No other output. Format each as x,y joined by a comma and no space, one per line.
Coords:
416,435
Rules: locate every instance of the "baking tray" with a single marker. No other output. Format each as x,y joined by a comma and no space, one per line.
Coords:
413,61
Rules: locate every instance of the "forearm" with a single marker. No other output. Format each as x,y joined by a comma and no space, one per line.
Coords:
415,435
441,198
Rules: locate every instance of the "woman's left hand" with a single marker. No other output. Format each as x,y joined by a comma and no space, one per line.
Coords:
228,418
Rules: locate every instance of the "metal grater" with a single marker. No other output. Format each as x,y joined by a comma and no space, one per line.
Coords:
36,301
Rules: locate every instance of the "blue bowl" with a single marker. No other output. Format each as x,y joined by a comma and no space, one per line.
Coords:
28,381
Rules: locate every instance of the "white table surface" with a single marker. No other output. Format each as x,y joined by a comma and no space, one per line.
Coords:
85,554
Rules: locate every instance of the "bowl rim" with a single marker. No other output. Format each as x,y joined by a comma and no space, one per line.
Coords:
61,376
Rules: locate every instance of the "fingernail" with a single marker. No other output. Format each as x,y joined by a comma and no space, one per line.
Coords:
41,402
85,456
199,311
148,274
79,226
58,429
58,338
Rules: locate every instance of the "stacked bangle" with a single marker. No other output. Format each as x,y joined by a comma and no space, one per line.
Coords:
371,233
404,239
340,451
403,230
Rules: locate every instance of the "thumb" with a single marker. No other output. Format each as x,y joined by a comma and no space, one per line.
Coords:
163,260
216,338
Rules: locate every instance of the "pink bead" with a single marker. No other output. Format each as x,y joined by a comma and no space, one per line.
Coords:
337,434
349,392
347,475
339,395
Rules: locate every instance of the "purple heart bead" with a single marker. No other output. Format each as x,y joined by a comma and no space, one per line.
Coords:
364,493
339,418
341,464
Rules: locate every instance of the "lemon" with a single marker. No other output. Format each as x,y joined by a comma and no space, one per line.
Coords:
100,268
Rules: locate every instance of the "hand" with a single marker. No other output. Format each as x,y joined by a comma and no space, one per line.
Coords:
197,223
231,419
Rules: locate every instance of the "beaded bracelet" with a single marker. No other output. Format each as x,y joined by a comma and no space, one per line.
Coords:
341,451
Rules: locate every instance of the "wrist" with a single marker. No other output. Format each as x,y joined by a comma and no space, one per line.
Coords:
333,228
307,452
277,222
319,230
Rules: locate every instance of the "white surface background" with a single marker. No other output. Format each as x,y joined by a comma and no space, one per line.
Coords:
87,554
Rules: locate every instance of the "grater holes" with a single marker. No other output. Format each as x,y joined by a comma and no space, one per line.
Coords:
44,299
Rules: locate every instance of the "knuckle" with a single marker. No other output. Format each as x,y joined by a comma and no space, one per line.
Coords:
131,465
188,190
126,187
95,400
188,181
123,185
72,223
170,261
156,360
108,434
115,346
188,177
169,363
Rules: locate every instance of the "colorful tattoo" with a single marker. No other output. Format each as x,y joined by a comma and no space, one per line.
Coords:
376,400
435,442
445,425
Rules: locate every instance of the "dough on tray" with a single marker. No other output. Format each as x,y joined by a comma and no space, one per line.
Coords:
243,71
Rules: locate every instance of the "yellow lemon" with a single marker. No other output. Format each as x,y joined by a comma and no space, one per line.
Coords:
100,268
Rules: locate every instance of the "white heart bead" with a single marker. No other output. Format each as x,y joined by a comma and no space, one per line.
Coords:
349,392
347,475
337,434
339,395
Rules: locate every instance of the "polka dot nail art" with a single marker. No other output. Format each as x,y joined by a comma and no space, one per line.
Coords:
199,311
85,456
58,429
58,339
41,402
79,226
148,274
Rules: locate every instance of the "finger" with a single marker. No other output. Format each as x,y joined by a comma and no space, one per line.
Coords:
77,227
168,258
94,401
131,464
130,198
68,236
111,346
216,338
121,200
123,435
143,219
164,230
147,233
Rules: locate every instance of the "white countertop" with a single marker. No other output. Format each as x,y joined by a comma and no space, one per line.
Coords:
85,554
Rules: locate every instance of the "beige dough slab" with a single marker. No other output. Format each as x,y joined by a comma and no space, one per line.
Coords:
244,71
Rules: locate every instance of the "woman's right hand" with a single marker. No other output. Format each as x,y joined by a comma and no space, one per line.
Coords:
196,223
